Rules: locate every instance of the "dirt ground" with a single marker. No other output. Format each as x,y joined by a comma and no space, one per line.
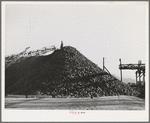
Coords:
101,103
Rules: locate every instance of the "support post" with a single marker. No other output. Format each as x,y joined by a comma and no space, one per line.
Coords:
140,76
143,76
120,70
136,77
139,70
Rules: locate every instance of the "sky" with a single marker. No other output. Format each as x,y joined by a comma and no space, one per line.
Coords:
112,30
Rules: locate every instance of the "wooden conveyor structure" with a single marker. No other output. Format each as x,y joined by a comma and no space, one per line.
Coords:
140,70
13,58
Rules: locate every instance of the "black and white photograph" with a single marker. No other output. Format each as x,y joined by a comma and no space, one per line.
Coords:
75,61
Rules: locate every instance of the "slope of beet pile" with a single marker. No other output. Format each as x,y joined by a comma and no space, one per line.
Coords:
66,72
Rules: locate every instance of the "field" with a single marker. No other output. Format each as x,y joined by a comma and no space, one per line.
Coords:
101,103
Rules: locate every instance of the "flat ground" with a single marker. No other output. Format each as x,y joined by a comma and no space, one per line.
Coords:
101,103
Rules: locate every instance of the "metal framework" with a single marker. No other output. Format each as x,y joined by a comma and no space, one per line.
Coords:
139,67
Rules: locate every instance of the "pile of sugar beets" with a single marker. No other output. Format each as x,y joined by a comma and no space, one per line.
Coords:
66,72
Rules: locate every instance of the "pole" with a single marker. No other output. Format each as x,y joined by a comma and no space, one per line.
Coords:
120,70
103,63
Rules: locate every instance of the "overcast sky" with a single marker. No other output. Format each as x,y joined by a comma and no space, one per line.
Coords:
109,29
